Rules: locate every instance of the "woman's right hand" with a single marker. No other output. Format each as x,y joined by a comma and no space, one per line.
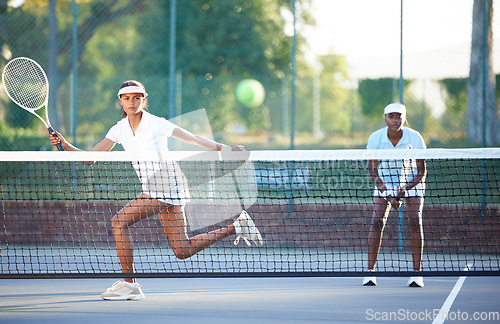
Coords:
56,138
394,201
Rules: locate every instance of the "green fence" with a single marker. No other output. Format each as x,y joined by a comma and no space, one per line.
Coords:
218,43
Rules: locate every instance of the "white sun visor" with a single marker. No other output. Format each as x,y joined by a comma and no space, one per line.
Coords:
132,89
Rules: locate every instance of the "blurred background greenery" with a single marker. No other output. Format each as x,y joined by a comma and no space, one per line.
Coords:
217,43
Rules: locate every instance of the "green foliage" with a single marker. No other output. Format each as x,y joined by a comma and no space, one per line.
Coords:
326,88
336,114
217,53
16,117
218,43
455,90
22,139
374,95
456,94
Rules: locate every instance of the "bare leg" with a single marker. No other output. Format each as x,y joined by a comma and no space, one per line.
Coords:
140,208
381,210
414,214
174,225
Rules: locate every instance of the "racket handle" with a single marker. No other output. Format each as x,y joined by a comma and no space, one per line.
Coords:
59,145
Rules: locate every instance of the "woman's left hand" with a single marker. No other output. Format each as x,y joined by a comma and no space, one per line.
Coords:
238,148
395,202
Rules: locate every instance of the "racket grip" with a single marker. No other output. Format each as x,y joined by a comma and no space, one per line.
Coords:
59,145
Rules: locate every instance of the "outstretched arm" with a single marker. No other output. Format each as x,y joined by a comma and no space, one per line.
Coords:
104,145
186,136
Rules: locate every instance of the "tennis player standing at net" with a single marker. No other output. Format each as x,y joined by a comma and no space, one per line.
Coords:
395,180
141,131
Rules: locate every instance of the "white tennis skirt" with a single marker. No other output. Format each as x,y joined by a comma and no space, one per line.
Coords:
164,181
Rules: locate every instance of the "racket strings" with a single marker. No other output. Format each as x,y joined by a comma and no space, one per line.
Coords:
26,84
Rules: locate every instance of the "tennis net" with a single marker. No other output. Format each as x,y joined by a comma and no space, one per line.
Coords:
313,208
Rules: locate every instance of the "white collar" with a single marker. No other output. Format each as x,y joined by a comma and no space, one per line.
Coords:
145,121
404,138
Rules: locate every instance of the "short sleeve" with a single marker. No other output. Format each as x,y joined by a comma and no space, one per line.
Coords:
372,142
166,127
418,141
114,134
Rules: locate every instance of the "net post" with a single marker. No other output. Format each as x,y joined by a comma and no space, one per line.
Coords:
400,227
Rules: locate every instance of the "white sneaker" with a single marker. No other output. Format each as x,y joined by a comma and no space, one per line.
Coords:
247,230
370,281
122,290
416,282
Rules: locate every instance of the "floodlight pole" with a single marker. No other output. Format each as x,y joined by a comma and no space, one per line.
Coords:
484,176
484,80
292,103
74,93
74,78
401,83
171,87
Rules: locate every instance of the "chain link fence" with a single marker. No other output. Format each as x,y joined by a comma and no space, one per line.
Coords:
217,44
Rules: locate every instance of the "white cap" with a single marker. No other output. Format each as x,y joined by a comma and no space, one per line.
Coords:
395,107
132,89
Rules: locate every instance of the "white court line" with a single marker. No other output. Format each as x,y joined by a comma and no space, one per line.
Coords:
445,309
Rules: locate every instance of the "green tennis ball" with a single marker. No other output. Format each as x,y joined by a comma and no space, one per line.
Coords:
250,93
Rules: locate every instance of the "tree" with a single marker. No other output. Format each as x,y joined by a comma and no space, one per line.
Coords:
336,110
455,90
483,126
218,44
375,94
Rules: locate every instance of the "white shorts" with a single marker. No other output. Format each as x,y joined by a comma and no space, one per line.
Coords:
417,191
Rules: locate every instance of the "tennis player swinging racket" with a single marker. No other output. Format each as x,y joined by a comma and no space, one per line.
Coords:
141,131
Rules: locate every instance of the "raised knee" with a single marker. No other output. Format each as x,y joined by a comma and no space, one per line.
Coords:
117,224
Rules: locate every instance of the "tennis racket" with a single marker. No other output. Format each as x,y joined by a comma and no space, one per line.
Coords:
27,86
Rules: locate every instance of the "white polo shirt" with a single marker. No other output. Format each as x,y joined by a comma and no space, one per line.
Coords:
151,135
396,173
163,181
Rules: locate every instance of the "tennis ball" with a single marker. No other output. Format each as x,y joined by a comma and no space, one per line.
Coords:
250,93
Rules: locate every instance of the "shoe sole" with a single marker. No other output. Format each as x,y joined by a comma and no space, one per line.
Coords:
414,285
128,297
370,284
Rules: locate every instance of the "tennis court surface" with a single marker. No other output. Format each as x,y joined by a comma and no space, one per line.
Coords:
251,300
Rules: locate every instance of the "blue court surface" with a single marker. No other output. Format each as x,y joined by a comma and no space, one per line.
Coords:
254,300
